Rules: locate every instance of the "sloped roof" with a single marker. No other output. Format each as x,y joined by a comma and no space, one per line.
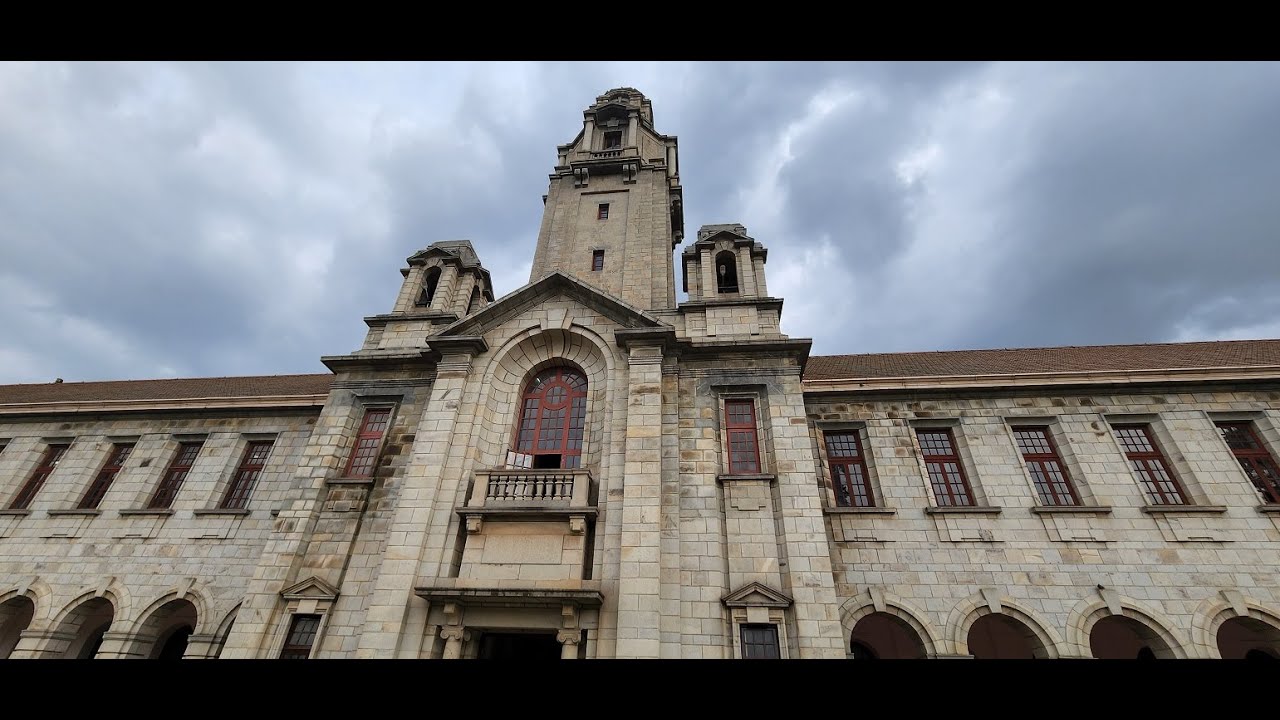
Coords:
1096,358
173,389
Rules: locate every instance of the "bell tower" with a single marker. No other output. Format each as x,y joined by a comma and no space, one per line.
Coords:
614,209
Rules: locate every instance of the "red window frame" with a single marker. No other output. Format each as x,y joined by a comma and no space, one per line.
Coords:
301,636
247,473
946,473
1254,459
1048,472
167,491
102,482
849,477
48,463
1149,464
741,436
553,417
364,454
602,211
597,260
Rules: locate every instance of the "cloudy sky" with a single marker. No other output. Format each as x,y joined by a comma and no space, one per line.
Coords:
166,220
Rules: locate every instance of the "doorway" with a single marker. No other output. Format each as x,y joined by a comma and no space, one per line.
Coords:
519,646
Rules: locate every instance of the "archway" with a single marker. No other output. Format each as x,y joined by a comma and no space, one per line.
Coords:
1238,637
1117,637
87,624
429,287
1001,637
885,637
15,616
726,272
170,625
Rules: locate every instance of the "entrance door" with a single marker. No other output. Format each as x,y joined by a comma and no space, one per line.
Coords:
519,646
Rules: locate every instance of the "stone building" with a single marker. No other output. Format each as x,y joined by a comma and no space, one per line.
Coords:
588,468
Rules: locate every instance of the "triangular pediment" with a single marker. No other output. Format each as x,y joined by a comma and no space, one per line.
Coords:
756,595
312,588
556,284
722,235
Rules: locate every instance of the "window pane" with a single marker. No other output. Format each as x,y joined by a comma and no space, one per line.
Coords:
760,642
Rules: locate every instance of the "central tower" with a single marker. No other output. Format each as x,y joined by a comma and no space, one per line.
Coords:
614,209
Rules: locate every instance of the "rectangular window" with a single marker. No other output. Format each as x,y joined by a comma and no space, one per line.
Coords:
1149,465
849,470
1253,457
255,456
175,475
1053,485
365,453
602,211
302,635
42,472
612,139
98,488
597,260
950,486
740,427
760,642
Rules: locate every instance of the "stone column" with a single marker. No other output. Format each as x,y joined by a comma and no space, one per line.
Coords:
454,636
761,289
410,289
34,644
201,647
746,272
639,587
709,274
633,136
444,296
122,645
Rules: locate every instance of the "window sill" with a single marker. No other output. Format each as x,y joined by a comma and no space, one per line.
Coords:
1072,509
75,511
15,511
860,511
350,481
964,510
220,511
145,511
1269,509
1184,509
727,477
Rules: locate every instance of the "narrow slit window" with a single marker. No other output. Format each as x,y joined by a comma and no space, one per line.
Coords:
42,472
175,475
1049,475
107,475
740,431
302,635
602,211
429,288
849,476
946,474
255,457
597,260
364,456
1149,464
1253,458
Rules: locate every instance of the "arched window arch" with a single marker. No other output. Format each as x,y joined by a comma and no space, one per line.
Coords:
429,287
726,272
474,303
553,411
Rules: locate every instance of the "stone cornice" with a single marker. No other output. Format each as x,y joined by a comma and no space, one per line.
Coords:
1048,379
758,302
223,403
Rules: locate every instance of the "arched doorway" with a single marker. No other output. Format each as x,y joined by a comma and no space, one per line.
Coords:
1117,637
87,625
171,625
15,616
552,417
885,637
1001,637
1247,638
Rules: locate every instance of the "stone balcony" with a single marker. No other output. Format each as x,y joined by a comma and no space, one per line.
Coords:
530,494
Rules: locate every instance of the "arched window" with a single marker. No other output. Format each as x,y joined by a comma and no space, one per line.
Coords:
552,415
726,272
429,287
474,303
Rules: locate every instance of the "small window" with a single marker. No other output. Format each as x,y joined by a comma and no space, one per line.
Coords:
175,475
429,288
597,260
602,211
1253,457
740,429
760,642
950,486
98,488
302,635
1149,465
255,457
1053,485
364,456
726,272
849,475
42,473
612,139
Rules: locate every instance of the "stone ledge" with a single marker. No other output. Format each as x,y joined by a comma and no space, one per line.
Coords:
75,511
1072,509
727,477
1269,509
15,511
1184,509
859,511
526,512
220,511
964,510
367,482
127,512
